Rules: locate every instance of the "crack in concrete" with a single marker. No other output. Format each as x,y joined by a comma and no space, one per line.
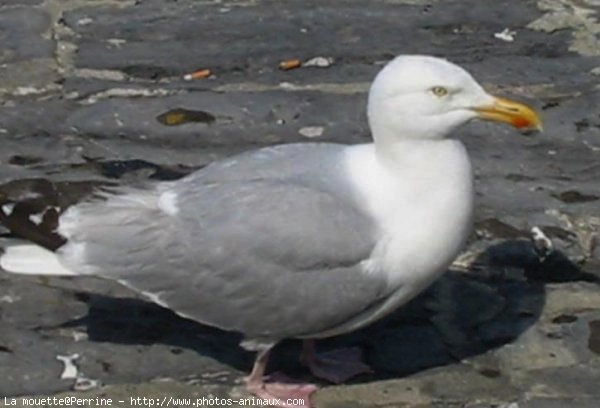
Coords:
102,74
129,93
341,88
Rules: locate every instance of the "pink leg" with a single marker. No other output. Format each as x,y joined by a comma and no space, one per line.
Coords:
335,366
279,390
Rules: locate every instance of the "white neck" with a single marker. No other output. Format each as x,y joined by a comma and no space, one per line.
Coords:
414,157
409,170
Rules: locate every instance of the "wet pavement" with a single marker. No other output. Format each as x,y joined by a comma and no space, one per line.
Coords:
92,92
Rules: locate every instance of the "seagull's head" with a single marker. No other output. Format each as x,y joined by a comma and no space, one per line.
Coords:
423,97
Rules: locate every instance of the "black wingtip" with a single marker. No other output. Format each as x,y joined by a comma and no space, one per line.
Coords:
29,210
20,224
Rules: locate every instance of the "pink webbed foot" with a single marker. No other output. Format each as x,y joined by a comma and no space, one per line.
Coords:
336,366
278,390
281,391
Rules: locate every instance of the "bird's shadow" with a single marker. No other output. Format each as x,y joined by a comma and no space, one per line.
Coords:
461,315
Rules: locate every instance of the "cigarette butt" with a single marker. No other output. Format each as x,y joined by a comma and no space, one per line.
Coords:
200,74
290,64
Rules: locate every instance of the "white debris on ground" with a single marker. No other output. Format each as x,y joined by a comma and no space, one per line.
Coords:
85,21
70,371
506,35
79,336
312,131
85,384
320,62
542,244
9,299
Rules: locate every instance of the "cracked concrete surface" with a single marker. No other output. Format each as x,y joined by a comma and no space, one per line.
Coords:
580,17
86,88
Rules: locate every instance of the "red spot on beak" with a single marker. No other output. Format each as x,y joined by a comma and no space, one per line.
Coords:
520,123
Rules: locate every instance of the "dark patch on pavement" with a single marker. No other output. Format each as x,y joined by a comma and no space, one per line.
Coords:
22,160
4,349
490,372
181,116
146,72
519,177
564,318
594,339
573,196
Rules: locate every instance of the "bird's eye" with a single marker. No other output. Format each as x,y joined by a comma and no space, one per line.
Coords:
439,91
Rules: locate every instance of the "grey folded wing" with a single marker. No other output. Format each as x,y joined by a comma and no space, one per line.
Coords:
269,258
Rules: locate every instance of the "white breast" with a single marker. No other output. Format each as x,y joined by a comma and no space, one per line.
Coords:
423,204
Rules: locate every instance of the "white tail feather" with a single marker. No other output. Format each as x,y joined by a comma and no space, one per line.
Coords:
31,259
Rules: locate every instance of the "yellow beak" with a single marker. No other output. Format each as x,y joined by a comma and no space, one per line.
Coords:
514,113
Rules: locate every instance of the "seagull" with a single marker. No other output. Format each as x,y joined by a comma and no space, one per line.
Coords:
297,241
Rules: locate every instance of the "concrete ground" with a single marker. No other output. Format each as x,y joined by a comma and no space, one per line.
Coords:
93,91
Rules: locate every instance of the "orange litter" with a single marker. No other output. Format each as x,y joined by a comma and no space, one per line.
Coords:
199,74
290,64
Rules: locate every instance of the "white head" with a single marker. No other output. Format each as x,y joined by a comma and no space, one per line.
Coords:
423,97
